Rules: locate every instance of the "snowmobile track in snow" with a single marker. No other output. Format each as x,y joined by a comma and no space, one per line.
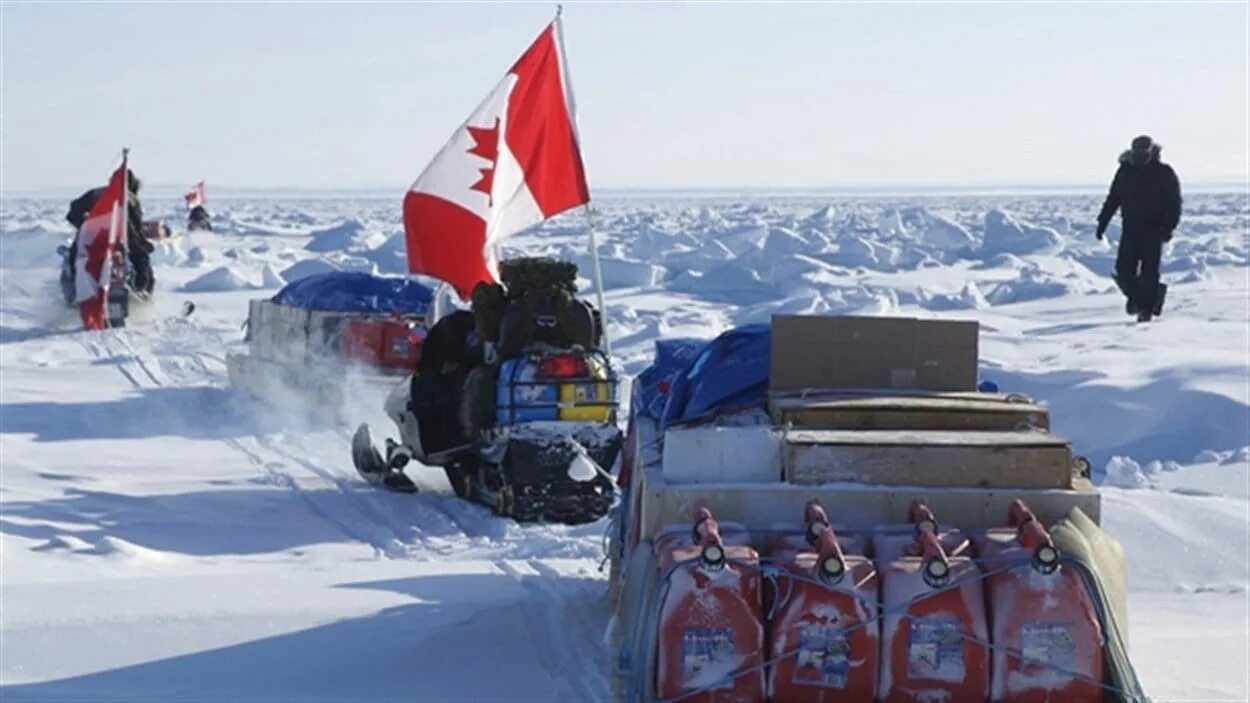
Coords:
544,611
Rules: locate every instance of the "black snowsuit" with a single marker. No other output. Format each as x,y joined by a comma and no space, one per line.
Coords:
199,219
1148,197
138,248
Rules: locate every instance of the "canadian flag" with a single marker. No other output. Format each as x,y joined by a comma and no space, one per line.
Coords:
514,163
98,239
195,197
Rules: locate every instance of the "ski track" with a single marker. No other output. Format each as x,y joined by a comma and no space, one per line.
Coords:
369,526
545,610
421,526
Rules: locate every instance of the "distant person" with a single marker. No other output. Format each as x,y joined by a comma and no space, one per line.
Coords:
138,248
198,219
1148,195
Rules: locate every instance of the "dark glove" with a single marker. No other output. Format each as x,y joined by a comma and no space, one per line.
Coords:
1167,235
1098,233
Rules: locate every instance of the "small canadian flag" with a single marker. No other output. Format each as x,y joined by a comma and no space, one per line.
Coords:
514,163
99,238
195,197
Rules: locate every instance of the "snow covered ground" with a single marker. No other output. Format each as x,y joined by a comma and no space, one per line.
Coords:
165,539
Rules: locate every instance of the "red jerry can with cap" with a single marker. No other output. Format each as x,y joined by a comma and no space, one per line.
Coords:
711,629
673,537
392,343
785,542
824,635
890,542
934,634
1047,635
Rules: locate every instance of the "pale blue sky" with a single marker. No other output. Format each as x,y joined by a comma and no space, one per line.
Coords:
689,95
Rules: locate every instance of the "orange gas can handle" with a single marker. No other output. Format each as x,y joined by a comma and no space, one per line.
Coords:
699,515
831,566
1019,513
1033,535
707,536
920,515
815,521
936,568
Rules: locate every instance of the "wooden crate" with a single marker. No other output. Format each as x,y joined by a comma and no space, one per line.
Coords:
944,411
928,458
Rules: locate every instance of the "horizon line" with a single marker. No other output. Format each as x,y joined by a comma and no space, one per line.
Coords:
660,190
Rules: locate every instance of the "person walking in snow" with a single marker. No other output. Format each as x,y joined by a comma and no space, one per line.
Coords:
1147,193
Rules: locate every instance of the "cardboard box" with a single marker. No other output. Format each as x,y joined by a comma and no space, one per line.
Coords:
935,411
923,458
872,352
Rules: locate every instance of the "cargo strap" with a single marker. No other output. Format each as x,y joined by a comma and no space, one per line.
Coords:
771,574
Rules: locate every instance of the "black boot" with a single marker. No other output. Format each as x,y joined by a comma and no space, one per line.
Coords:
1130,307
1144,316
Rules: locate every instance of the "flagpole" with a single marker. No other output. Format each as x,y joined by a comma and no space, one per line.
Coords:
590,216
594,255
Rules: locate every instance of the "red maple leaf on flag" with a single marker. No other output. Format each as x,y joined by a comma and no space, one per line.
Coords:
485,145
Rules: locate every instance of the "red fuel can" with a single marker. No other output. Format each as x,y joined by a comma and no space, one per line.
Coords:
889,542
934,631
825,631
383,342
711,631
786,541
1042,618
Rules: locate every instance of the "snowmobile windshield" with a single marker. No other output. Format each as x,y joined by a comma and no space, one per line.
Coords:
730,371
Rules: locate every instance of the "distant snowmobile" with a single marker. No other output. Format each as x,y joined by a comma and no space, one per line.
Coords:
513,400
121,285
109,242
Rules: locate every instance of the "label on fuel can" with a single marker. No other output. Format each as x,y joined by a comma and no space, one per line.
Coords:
708,659
1049,644
823,657
935,649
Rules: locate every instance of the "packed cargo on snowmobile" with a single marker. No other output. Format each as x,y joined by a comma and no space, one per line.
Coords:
515,399
321,337
835,508
128,259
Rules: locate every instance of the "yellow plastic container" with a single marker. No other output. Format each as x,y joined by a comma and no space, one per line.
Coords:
573,397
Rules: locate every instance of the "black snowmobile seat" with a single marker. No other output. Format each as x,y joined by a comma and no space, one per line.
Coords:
450,351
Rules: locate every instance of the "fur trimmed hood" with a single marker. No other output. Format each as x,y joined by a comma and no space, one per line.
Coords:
1126,156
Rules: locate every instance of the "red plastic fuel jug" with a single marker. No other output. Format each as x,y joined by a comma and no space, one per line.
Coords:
1047,636
934,631
815,520
711,631
824,636
890,542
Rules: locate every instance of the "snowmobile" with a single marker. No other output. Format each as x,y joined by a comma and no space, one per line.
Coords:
121,284
514,400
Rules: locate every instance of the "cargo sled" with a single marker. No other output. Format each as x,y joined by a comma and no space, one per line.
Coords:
827,508
515,400
325,341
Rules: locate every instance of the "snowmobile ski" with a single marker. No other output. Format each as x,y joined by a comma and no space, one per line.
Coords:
374,469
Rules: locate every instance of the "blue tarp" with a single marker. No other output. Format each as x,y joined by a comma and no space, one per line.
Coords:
672,356
350,291
730,371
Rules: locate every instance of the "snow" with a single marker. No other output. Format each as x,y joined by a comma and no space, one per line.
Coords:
163,536
218,280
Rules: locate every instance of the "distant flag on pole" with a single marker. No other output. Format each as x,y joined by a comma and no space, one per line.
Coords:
99,238
514,163
195,197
